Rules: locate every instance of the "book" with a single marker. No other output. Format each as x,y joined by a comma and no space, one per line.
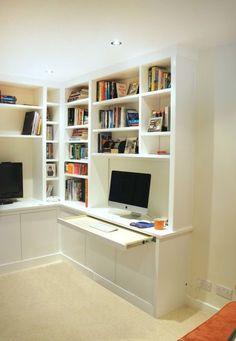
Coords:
121,89
28,123
133,88
132,117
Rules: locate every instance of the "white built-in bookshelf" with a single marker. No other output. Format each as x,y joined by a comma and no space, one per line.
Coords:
72,144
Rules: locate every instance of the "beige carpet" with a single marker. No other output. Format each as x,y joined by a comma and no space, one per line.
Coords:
58,303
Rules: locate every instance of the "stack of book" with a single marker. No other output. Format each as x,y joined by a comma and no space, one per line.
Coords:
79,134
78,151
76,168
49,150
32,123
77,116
78,94
7,99
158,78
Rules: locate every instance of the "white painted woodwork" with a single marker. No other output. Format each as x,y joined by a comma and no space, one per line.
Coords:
39,233
10,239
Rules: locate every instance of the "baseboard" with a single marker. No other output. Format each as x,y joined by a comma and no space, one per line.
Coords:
128,296
195,303
30,263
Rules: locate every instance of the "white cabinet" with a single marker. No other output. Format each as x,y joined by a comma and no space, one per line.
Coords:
10,239
39,233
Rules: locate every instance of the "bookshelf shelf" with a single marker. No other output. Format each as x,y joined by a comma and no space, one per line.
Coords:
76,176
155,134
81,126
52,104
20,106
83,101
52,141
132,156
76,141
125,129
51,178
52,160
157,93
119,100
19,136
76,161
52,123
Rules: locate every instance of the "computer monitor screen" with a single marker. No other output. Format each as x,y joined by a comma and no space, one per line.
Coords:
11,181
129,191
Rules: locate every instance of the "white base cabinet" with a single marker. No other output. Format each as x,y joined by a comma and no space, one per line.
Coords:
39,233
10,239
28,235
152,276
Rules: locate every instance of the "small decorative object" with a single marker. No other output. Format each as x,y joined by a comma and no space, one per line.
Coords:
133,88
130,145
155,124
51,169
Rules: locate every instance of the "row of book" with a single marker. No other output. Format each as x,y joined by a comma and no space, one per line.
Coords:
77,116
76,190
79,134
118,117
32,123
76,168
78,151
78,94
7,99
49,132
49,151
108,144
158,78
106,90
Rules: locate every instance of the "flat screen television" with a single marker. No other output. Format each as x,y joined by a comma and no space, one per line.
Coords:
11,181
129,191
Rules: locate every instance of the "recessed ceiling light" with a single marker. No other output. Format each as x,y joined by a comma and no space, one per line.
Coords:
116,42
49,71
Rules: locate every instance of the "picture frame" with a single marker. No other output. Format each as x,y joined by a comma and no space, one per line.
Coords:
130,145
155,124
121,89
51,169
133,88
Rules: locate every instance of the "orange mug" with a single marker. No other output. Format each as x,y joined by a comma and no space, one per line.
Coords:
159,223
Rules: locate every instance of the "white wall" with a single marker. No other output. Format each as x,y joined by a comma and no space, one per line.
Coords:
214,238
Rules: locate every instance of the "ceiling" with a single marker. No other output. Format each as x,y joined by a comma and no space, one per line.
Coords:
72,37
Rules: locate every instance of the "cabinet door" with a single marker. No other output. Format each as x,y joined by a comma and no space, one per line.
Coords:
39,233
10,248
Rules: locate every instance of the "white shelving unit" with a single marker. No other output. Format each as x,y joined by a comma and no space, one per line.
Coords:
157,283
53,142
16,147
76,145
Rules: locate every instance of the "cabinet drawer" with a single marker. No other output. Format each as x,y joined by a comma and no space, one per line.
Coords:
121,238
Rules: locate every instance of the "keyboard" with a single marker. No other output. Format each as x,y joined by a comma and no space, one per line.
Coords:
103,226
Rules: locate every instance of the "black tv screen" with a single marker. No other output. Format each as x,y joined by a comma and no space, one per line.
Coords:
129,191
11,180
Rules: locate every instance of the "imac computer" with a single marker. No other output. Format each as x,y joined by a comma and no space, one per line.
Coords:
11,182
130,191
